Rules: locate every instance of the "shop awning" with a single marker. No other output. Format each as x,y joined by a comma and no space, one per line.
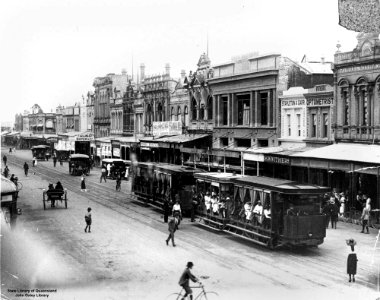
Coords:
345,152
7,186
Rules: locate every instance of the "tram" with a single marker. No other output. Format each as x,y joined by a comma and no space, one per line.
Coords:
270,212
41,152
79,164
118,167
160,182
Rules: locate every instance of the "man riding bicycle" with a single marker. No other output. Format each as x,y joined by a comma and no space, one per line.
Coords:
185,278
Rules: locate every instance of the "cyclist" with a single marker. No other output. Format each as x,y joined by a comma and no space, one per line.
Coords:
185,278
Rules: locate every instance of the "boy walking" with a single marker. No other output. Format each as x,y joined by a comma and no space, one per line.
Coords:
88,220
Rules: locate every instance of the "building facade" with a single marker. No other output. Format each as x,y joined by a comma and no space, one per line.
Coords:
90,111
105,88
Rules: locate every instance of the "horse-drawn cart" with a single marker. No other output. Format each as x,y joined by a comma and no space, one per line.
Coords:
53,196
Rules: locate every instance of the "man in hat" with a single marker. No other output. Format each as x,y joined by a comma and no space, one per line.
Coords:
185,278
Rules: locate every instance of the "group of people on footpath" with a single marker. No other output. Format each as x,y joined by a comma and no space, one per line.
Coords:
335,206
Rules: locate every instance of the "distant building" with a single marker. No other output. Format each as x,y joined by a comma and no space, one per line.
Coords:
105,88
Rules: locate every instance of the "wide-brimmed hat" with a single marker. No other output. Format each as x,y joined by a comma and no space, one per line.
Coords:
350,242
190,264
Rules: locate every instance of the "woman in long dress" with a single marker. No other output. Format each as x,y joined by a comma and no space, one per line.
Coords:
352,261
83,184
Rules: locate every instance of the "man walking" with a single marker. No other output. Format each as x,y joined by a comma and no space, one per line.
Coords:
172,228
26,168
103,175
54,160
5,160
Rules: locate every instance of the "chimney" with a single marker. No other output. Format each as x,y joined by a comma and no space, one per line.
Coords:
183,74
167,68
142,72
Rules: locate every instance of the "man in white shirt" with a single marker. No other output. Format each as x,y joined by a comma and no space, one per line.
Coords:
248,211
108,169
177,213
208,202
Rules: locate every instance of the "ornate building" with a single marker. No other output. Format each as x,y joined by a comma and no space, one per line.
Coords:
201,115
156,95
90,111
105,91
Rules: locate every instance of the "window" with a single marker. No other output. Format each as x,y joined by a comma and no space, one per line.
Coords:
346,103
194,109
209,108
202,112
299,124
262,143
243,109
172,118
325,125
313,125
179,116
225,110
160,112
223,142
264,108
186,116
289,125
365,108
246,143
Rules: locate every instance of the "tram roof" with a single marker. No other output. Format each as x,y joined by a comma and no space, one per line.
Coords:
176,168
7,186
40,147
78,155
280,185
112,160
217,176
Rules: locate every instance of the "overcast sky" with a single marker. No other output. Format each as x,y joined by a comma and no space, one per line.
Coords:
50,51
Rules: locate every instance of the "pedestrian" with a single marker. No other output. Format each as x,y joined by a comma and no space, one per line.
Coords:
176,212
334,213
5,159
194,205
88,219
172,227
103,175
10,150
185,279
26,168
365,218
108,170
352,260
118,183
83,184
34,161
60,161
54,160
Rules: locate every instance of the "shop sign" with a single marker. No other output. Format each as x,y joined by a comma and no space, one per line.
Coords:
52,140
359,68
293,102
253,156
85,137
167,128
276,159
319,101
149,145
98,152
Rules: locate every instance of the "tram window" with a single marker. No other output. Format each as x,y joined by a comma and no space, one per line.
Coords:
266,201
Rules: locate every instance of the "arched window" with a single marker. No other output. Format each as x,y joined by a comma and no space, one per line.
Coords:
172,118
209,108
194,109
159,110
202,112
186,116
179,116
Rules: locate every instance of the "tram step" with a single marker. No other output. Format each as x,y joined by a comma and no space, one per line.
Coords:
245,230
247,238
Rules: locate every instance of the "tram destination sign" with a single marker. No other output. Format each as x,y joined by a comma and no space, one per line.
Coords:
274,159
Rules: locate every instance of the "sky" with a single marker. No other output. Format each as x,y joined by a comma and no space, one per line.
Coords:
51,50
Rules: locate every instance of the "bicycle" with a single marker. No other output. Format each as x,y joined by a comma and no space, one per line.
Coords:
19,186
203,295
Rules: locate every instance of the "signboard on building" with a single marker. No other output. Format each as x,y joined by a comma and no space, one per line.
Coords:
167,128
84,137
295,102
116,152
320,101
275,159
